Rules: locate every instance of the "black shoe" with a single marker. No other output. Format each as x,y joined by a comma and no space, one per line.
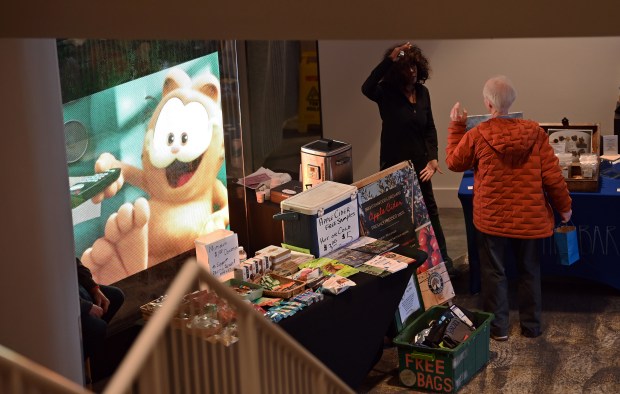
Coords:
496,336
526,332
499,338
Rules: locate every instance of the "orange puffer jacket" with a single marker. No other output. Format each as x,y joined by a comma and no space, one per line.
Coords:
517,179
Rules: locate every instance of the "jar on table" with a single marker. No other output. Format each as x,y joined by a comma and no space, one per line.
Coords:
566,160
588,163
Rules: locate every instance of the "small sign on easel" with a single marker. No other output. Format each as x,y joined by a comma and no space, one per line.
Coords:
610,148
610,144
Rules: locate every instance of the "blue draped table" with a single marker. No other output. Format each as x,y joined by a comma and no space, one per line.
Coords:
597,218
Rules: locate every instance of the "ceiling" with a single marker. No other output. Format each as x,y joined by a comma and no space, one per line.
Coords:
305,20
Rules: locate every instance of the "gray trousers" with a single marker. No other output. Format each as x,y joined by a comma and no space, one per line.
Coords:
495,252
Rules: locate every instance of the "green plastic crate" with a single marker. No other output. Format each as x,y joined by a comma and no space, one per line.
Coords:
442,370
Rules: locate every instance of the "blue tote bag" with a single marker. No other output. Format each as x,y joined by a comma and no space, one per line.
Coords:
567,244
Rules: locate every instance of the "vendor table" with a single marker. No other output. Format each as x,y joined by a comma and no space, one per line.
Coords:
346,331
597,218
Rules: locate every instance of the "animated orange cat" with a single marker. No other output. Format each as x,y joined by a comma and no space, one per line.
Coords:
182,153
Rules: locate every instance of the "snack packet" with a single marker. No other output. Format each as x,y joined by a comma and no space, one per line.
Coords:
336,284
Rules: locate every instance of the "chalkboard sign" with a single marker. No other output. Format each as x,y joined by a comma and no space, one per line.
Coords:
388,216
386,204
385,190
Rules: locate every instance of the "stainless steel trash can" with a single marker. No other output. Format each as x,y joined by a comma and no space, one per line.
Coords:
326,160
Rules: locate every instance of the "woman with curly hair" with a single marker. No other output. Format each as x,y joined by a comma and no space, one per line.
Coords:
408,131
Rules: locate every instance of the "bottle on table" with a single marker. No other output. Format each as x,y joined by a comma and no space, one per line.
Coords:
243,256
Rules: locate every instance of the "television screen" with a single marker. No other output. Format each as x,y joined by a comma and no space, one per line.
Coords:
146,168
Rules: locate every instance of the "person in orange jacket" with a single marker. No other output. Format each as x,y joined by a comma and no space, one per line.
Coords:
517,184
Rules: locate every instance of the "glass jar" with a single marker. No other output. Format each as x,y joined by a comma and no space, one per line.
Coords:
589,164
566,160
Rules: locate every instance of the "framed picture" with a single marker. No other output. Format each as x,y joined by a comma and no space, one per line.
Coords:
576,139
572,141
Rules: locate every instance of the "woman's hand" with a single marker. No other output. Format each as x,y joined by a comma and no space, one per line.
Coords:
427,172
456,115
395,55
96,311
100,299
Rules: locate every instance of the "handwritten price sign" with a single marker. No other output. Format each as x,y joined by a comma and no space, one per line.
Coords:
337,228
218,251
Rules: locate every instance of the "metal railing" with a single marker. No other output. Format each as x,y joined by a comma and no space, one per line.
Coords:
169,357
19,374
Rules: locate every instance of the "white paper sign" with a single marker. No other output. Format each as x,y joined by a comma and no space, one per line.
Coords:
337,228
410,302
610,145
435,285
222,255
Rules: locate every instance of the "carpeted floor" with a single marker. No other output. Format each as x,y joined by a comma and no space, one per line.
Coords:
579,351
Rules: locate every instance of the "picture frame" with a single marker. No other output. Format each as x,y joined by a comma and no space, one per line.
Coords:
576,182
574,138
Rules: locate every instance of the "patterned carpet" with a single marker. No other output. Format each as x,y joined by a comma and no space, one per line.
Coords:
579,351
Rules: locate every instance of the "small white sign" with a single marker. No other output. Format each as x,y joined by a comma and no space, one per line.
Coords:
559,147
218,251
410,303
610,144
337,228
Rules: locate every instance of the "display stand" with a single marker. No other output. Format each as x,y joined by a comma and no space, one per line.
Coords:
391,206
577,139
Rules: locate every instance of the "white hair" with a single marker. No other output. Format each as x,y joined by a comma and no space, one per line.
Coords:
500,92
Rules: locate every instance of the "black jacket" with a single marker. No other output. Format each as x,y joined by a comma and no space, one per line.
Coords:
85,279
408,130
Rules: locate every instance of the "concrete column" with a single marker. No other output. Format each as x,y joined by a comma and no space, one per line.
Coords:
39,305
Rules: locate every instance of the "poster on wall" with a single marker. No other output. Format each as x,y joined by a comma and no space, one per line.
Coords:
147,171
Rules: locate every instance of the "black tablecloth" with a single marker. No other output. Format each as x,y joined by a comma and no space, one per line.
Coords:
346,331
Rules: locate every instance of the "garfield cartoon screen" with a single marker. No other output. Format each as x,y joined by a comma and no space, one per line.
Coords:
164,132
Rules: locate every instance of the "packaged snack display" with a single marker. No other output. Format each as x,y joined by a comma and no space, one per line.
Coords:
337,284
